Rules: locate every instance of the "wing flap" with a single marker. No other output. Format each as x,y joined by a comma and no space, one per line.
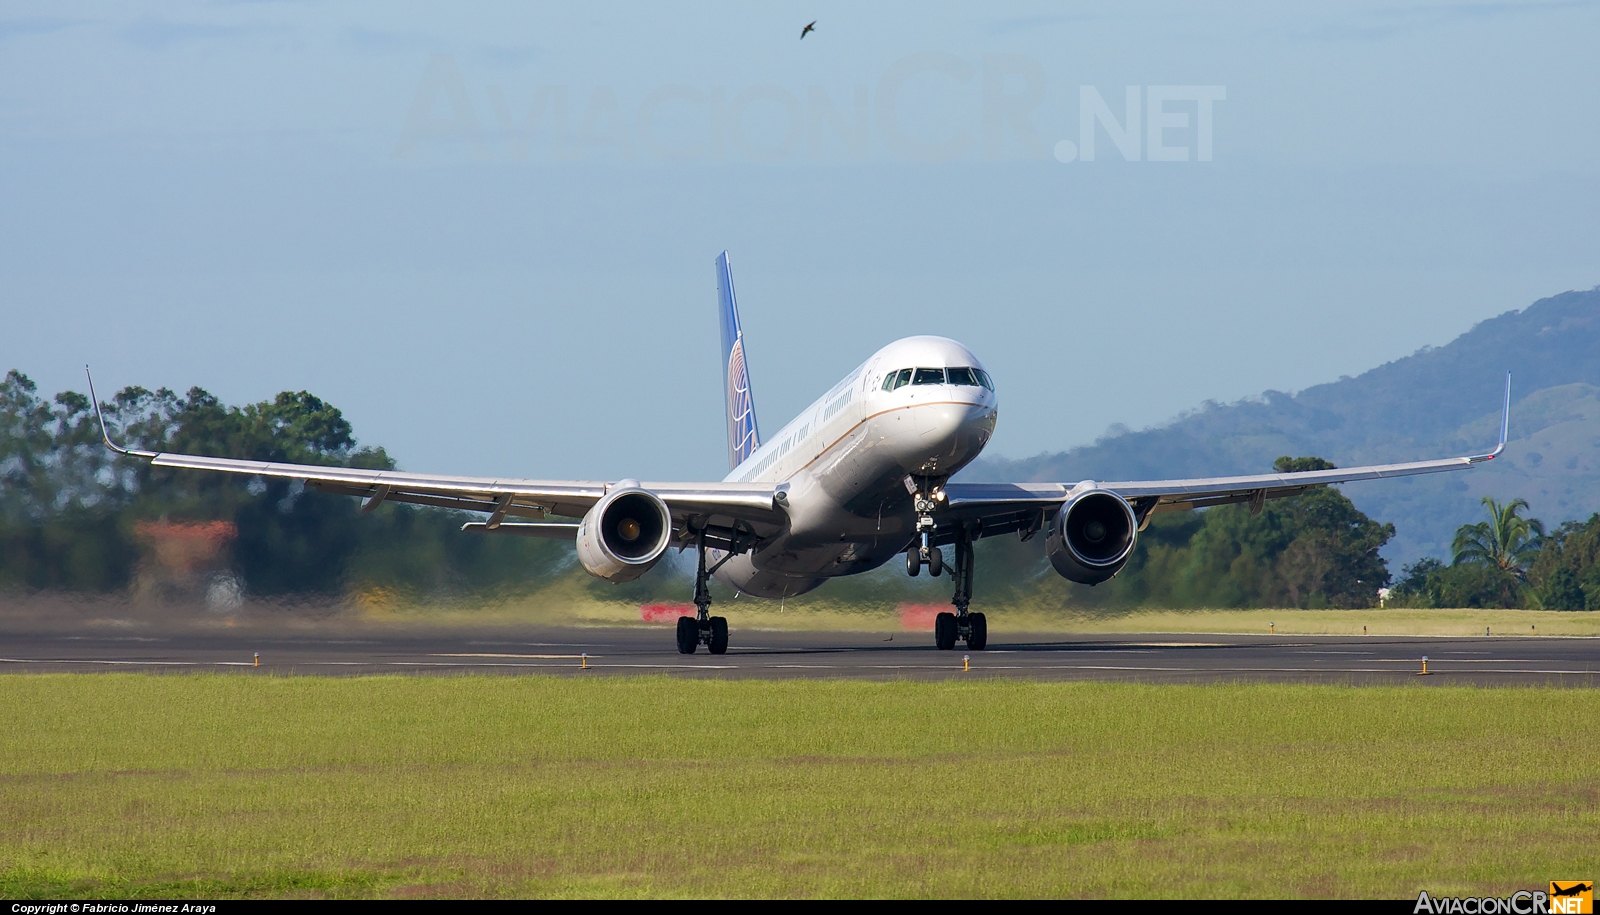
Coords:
396,480
547,531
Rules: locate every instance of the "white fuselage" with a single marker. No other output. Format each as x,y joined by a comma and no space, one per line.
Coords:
847,457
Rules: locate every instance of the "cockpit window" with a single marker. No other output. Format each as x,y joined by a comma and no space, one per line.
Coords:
961,376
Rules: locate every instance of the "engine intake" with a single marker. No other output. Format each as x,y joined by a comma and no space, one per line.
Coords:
624,534
1091,537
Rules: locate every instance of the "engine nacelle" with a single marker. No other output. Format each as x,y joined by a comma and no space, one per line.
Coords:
624,534
1092,536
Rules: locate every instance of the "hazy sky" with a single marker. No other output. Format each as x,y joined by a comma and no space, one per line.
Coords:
486,231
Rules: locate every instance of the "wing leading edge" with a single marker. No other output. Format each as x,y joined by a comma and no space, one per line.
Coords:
1006,507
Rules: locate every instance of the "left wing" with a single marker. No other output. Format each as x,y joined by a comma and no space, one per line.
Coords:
998,508
733,514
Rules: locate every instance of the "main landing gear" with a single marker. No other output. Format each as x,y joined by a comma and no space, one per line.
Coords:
972,628
703,628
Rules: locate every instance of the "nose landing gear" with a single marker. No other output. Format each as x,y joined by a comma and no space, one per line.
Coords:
925,554
926,496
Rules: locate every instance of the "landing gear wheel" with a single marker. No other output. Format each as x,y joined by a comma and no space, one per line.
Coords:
688,634
944,631
913,562
977,632
719,635
935,561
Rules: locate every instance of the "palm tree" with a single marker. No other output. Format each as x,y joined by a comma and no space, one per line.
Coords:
1506,541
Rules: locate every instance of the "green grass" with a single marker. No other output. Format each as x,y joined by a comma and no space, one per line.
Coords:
215,785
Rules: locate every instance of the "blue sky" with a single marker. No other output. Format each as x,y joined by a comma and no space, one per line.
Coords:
346,198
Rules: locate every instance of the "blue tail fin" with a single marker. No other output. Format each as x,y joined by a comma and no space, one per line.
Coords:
743,435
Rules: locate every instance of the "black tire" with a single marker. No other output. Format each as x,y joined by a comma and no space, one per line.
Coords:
978,640
688,634
935,561
944,631
913,562
719,635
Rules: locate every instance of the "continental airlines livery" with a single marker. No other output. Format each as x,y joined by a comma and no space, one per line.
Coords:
858,478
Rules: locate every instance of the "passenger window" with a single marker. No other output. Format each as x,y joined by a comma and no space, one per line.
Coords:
961,376
929,376
902,379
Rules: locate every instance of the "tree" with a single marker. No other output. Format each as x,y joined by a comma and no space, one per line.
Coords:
1506,541
1489,567
1561,590
1287,464
59,522
1419,584
1566,573
1311,550
69,507
1430,583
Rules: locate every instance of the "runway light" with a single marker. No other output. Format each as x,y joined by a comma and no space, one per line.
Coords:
1424,672
258,659
1363,630
1271,628
585,661
966,662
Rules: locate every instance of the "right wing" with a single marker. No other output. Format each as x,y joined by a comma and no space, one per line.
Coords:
744,506
733,514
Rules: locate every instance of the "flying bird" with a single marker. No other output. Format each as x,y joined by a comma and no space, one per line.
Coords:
812,27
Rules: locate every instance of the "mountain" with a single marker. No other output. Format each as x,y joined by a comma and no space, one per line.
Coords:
1438,401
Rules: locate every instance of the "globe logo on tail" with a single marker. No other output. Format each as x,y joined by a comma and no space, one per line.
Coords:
742,438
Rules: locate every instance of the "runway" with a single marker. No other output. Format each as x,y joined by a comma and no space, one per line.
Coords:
582,651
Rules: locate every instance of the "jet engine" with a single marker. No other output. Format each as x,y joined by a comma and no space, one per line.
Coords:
1091,537
624,534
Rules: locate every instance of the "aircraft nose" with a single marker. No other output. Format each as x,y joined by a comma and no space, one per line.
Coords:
957,421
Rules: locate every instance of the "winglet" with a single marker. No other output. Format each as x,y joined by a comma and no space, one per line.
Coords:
104,432
1505,426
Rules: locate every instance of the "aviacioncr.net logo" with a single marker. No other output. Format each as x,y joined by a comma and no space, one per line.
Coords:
1566,897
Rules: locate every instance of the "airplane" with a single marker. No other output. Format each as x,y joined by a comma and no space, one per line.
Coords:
861,476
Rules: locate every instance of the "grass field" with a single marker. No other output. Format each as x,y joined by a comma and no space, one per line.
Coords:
261,786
